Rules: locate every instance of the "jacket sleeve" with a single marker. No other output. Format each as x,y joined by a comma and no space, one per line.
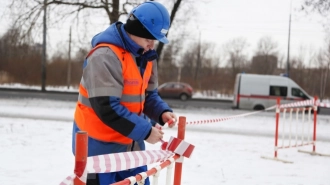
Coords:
119,118
154,106
103,81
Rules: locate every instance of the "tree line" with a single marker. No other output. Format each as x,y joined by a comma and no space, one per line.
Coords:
20,55
20,62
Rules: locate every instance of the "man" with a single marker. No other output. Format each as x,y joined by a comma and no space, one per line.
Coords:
119,87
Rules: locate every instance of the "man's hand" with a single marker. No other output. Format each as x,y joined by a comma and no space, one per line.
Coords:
155,135
168,116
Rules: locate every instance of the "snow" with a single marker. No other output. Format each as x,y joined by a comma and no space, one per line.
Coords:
35,145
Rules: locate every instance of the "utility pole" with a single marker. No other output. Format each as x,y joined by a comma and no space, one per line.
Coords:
43,61
179,74
325,79
69,62
288,59
198,63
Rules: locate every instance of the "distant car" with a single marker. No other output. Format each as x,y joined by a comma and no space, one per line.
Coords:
179,90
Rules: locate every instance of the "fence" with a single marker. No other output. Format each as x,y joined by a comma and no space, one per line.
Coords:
175,150
155,170
298,128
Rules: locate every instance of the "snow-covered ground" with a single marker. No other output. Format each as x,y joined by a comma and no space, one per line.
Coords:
35,147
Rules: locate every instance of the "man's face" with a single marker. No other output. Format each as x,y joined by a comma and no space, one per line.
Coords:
146,44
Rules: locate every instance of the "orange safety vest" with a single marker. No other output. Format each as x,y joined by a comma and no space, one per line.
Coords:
134,85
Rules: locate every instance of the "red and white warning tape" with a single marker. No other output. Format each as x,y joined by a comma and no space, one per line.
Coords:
298,104
226,118
127,160
305,103
326,105
119,161
122,161
288,105
180,147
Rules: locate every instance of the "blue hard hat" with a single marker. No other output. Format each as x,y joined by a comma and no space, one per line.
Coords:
155,18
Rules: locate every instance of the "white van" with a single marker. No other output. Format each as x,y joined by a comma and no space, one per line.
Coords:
258,92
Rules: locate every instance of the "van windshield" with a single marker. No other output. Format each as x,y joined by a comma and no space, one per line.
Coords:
298,93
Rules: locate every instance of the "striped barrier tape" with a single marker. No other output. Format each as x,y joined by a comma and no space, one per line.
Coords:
326,105
128,160
227,118
298,104
180,147
306,103
118,162
288,105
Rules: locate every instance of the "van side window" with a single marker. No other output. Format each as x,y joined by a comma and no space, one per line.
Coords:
278,91
298,93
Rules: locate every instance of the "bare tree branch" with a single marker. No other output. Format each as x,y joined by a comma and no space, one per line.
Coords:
320,6
266,46
173,13
235,49
28,13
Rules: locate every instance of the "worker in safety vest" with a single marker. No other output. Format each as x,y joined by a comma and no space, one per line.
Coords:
119,87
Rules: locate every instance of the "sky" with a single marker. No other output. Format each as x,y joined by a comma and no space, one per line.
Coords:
218,22
259,18
35,147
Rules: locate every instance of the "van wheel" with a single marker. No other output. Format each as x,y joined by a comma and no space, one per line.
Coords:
183,97
258,107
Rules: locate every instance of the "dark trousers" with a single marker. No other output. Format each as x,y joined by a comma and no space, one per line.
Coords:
109,178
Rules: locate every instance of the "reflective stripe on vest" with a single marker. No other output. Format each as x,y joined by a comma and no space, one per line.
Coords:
133,97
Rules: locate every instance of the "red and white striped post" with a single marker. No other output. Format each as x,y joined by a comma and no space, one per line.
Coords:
277,123
315,120
178,163
80,156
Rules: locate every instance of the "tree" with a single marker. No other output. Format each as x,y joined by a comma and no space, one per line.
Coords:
195,61
237,60
298,71
321,7
168,70
324,65
265,59
29,12
19,57
264,64
173,12
57,68
266,46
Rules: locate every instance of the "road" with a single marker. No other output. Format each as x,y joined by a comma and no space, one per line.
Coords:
51,95
72,96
